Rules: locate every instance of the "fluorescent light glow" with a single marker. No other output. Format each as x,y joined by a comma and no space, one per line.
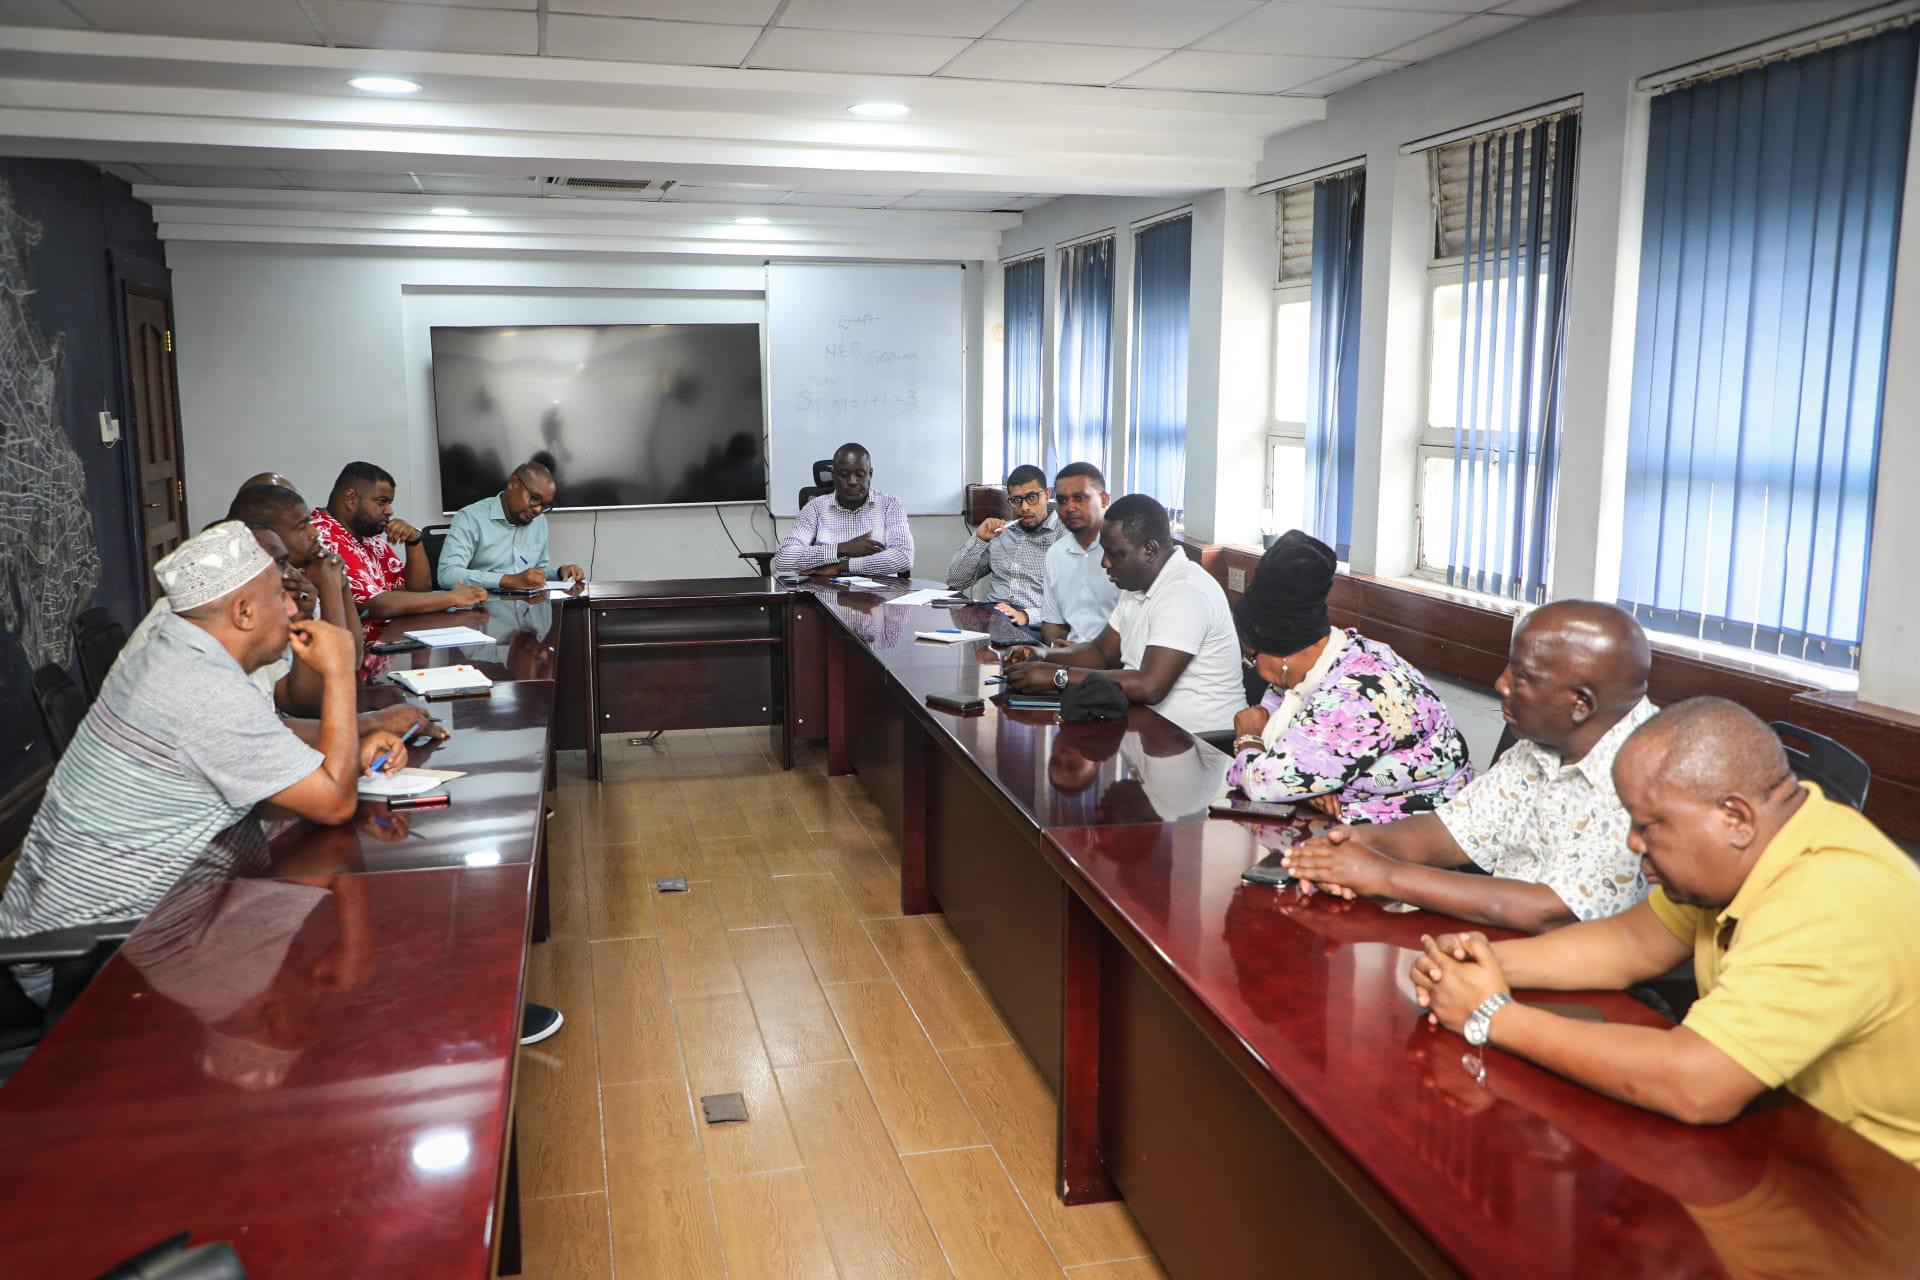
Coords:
880,110
485,857
442,1151
383,84
449,212
753,222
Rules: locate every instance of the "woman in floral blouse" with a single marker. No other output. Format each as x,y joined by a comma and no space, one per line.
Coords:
1347,725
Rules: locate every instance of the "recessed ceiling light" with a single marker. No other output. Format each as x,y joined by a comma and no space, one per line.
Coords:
449,212
753,222
383,84
880,110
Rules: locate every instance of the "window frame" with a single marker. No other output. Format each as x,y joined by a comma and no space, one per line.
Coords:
1434,442
1281,433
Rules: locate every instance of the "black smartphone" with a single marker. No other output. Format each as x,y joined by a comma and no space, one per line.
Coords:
396,646
1241,807
965,704
1268,871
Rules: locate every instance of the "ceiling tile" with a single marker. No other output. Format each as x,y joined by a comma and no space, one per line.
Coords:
1147,24
38,13
645,40
1532,8
209,19
790,50
380,24
733,12
457,184
906,17
1048,63
1424,6
727,195
1358,73
957,201
528,5
327,180
1459,36
1233,72
1323,31
838,200
206,175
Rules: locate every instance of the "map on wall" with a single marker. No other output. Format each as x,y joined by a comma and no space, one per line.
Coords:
49,562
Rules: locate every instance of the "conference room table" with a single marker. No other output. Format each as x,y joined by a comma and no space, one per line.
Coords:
1244,1065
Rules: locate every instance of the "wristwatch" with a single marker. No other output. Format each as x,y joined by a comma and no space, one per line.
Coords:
1060,677
1480,1021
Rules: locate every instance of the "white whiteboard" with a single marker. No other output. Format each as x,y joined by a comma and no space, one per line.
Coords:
874,354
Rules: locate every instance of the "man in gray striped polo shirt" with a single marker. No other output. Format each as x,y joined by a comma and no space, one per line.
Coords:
180,747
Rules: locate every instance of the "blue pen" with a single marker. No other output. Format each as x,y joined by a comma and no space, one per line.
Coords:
405,742
948,631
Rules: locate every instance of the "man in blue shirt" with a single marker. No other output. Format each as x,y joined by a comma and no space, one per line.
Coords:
501,542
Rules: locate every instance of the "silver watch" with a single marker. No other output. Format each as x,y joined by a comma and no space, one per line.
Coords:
1480,1021
1059,677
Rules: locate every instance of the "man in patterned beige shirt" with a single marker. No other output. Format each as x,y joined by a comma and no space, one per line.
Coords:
1544,821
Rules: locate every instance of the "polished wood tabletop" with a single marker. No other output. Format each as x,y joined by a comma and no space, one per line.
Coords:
1507,1168
525,632
315,1067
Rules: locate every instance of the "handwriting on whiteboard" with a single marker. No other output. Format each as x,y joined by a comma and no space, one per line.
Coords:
811,401
860,353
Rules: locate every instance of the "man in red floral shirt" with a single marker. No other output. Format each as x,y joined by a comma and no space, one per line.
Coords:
359,526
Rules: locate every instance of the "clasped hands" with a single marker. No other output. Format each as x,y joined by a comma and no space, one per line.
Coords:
1454,975
863,545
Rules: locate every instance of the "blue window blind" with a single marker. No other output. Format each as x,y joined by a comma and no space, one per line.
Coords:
1516,244
1162,267
1086,354
1766,293
1333,371
1025,309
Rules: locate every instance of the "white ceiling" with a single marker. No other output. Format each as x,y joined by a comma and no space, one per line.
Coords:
233,118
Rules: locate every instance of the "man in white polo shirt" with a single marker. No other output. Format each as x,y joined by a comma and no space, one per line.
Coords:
1170,643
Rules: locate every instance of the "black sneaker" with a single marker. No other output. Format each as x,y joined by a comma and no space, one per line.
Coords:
537,1022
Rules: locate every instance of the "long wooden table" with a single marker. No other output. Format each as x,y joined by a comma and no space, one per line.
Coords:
1245,1066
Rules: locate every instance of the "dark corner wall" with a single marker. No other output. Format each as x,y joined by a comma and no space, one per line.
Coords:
69,535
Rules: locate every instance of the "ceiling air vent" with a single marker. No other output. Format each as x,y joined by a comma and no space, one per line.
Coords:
614,187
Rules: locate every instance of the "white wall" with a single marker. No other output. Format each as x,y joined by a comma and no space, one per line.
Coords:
298,359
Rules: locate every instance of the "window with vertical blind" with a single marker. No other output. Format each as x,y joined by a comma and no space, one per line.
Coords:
1772,217
1286,490
1162,289
1085,366
1024,307
1498,286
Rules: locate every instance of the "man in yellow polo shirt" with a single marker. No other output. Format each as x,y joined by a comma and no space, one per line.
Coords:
1802,919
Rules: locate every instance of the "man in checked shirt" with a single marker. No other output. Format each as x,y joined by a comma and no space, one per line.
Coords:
853,530
1013,556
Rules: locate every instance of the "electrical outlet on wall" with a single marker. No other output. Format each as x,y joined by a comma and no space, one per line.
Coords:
1236,579
109,428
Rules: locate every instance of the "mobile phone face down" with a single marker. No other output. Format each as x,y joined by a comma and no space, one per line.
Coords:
962,703
1268,871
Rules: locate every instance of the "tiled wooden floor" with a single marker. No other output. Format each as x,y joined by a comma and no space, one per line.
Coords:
895,1130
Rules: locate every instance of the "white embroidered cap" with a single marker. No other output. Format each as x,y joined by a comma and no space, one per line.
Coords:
212,563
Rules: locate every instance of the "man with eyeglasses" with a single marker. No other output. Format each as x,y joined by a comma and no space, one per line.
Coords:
501,542
1012,555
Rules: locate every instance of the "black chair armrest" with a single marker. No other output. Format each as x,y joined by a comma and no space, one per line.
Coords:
63,944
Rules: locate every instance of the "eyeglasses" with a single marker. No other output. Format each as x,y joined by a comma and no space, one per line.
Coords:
1034,499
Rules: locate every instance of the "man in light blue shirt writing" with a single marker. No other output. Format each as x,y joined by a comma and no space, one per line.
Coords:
501,542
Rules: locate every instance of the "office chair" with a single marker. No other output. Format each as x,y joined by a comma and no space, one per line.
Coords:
174,1259
75,955
983,501
1815,757
762,562
432,538
99,639
822,482
1507,739
62,706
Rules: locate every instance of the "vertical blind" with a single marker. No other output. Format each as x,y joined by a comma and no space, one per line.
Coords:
1333,370
1086,355
1162,266
1294,226
1516,240
1766,294
1025,310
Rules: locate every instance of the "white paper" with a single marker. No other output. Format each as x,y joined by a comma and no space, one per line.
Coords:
950,637
407,782
854,580
430,680
450,637
562,589
925,596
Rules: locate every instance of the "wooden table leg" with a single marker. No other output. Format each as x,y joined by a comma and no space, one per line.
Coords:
509,1261
542,920
1082,1174
594,718
839,749
915,897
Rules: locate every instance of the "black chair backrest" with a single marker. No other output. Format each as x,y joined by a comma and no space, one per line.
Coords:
1507,739
1817,758
99,640
822,482
62,706
432,538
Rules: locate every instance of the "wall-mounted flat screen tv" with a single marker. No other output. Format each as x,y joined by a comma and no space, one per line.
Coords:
624,415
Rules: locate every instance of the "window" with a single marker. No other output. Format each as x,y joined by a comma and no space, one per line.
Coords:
1086,354
1489,456
1024,309
1286,489
1163,257
1766,296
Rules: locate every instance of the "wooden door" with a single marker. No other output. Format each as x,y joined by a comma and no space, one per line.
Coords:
154,431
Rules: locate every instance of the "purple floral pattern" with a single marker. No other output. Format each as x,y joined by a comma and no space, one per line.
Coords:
1372,732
